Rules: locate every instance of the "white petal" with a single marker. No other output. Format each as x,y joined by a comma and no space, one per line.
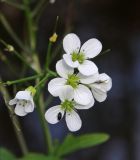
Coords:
106,82
20,110
56,85
78,106
29,107
88,79
12,101
67,93
82,95
52,114
73,121
71,43
91,48
26,95
63,69
99,95
88,68
68,60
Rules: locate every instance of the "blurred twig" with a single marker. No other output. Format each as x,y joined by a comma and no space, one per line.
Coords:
22,58
13,4
14,120
12,33
38,7
30,25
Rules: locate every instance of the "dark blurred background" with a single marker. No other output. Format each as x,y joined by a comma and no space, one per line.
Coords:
116,24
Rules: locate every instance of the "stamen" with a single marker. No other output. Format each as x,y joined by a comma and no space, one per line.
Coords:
67,105
80,57
73,80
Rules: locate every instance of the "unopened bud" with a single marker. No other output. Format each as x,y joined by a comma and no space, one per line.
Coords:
9,48
53,38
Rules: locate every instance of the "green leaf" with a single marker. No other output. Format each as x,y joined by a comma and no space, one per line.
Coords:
37,156
6,155
74,143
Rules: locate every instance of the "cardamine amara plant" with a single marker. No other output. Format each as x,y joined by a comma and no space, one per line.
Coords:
76,81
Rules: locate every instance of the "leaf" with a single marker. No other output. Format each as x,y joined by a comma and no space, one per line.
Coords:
6,155
37,156
74,143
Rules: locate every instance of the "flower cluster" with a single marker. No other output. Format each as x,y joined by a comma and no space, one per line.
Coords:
79,83
78,86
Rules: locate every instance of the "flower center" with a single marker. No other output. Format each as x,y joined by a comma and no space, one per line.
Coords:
22,103
73,80
67,105
80,57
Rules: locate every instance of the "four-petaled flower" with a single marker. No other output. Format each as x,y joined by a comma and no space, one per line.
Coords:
101,86
68,107
24,103
77,57
82,93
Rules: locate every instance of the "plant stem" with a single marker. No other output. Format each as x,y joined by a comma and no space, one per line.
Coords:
12,33
22,58
30,25
49,74
44,125
48,55
18,6
48,101
42,81
15,121
38,7
41,110
102,53
21,80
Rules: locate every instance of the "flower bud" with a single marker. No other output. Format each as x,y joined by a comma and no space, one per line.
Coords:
9,48
53,38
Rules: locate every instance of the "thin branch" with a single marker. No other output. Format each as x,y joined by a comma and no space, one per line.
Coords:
12,33
15,121
18,6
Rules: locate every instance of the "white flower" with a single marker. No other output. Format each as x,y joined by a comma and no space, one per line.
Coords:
24,103
68,107
82,93
101,86
77,57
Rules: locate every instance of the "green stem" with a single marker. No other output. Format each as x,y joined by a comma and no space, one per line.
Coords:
15,121
21,80
47,135
23,59
49,101
102,53
30,25
41,109
48,55
49,74
37,14
38,8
